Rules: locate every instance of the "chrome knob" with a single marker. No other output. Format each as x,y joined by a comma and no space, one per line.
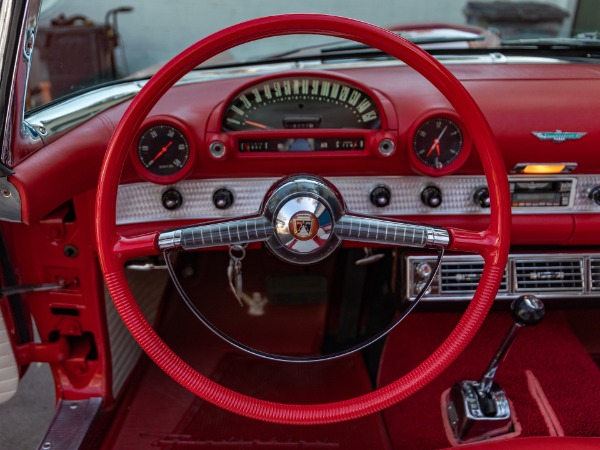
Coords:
381,196
223,198
423,270
420,286
431,196
172,199
594,194
481,197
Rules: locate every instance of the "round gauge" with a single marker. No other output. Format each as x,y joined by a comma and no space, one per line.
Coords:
163,150
438,142
301,103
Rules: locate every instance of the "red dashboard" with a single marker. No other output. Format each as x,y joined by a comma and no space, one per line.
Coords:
518,99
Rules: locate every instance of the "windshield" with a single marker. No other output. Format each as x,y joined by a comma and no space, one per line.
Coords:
81,43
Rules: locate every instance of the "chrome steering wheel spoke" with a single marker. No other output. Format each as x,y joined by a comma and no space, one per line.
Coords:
390,232
240,231
303,220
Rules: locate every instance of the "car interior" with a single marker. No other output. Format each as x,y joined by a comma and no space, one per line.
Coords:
386,238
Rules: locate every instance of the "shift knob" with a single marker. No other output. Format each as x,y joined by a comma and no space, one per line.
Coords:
528,310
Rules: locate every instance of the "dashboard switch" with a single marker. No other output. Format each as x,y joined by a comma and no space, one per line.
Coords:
172,199
595,194
481,197
431,196
223,198
381,196
423,270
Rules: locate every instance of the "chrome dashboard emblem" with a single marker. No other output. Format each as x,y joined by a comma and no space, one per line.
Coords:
558,135
304,226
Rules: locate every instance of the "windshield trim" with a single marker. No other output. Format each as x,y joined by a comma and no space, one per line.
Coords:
59,117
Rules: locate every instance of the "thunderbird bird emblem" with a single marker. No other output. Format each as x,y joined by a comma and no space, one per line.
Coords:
304,225
558,135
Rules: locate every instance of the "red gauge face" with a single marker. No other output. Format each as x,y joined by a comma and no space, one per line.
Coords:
438,142
163,150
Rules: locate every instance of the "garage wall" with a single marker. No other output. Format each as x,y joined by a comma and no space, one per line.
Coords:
173,30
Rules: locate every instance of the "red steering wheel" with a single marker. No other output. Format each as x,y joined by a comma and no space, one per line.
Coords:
492,244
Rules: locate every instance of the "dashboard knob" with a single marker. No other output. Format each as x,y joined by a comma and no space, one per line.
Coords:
223,198
595,194
423,270
172,199
381,196
481,197
431,196
420,286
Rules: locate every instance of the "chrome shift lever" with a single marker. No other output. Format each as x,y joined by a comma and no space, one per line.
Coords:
479,410
527,311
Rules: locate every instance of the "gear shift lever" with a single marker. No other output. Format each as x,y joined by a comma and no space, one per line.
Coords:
479,410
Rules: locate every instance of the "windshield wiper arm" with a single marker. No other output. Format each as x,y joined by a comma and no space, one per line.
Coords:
353,46
348,47
553,43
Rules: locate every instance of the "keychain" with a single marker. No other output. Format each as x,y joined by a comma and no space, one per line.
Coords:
234,271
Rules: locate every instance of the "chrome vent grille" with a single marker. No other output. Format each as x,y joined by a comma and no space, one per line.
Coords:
551,275
595,274
462,277
535,275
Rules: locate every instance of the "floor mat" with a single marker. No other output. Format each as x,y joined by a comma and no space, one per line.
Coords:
205,425
566,375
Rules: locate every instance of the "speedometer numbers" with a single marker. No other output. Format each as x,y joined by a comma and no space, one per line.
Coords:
301,103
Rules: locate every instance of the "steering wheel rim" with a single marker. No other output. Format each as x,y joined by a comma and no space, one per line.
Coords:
492,244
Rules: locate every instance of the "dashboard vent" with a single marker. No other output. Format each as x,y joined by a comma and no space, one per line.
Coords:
535,275
595,274
462,277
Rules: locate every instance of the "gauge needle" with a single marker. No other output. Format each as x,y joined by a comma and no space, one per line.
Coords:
257,125
159,154
436,143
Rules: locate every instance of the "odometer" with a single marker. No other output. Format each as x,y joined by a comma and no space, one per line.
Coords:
300,145
301,103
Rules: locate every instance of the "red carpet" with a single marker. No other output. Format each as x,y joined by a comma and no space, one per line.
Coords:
567,376
207,426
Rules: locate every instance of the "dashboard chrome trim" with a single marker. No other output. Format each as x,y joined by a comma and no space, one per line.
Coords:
58,119
141,202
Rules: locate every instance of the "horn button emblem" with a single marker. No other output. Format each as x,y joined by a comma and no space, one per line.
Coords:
303,230
303,211
304,225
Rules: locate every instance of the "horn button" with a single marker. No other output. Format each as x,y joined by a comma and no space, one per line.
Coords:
303,211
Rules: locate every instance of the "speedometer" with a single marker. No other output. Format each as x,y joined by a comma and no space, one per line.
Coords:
301,102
